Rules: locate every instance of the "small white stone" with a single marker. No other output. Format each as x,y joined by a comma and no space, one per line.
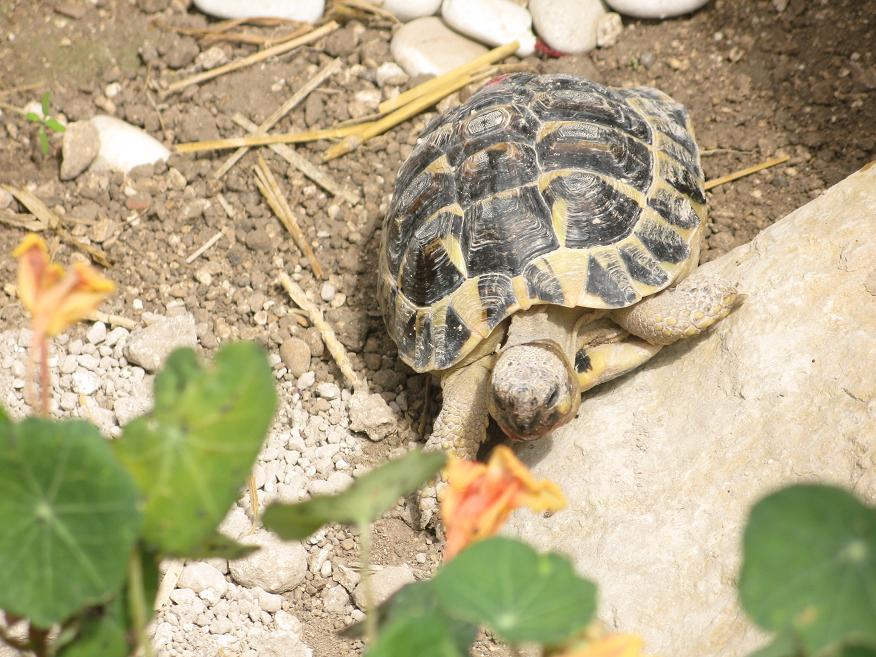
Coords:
149,346
336,483
569,26
97,333
390,73
307,11
328,390
183,596
608,29
494,22
327,291
406,10
655,8
85,382
199,576
306,380
270,602
278,566
426,46
123,146
114,336
335,599
420,557
384,582
211,58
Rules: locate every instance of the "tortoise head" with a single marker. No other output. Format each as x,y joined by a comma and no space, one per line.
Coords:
534,389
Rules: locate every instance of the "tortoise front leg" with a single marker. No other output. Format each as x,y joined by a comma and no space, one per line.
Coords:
461,426
683,311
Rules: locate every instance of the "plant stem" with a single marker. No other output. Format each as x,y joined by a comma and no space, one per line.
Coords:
365,569
38,641
45,380
136,596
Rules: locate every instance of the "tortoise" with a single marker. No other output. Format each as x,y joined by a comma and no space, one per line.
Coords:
540,241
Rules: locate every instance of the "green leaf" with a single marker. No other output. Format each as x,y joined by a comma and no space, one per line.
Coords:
46,103
54,125
101,632
43,140
69,519
33,117
809,566
857,651
519,594
783,645
423,636
364,501
193,452
418,600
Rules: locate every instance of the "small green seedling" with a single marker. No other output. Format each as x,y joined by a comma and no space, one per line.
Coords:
46,122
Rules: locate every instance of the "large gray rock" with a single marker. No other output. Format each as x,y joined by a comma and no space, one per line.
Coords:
661,467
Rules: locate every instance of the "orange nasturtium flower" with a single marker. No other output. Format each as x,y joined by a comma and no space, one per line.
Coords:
612,645
479,496
54,298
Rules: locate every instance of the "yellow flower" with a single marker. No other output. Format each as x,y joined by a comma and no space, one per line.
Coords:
613,645
54,298
479,496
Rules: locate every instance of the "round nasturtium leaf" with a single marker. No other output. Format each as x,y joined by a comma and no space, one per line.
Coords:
521,595
809,566
420,636
68,519
191,454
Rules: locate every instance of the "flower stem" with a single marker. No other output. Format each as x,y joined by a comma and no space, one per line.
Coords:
365,569
136,596
45,380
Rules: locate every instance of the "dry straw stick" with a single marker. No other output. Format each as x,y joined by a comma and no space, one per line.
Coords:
254,58
266,140
304,165
294,100
730,177
380,126
269,188
336,349
444,80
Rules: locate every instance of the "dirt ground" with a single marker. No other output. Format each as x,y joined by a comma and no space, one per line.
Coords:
758,81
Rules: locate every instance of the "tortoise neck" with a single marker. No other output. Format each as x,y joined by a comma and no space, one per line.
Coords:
544,323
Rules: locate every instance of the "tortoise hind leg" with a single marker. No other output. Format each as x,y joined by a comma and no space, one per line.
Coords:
683,311
461,425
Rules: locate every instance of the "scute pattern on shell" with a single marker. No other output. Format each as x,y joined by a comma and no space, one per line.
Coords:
538,190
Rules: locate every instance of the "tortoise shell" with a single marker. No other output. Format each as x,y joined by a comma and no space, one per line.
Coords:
538,190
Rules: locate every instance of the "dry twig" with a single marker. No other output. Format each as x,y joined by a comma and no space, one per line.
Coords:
255,58
336,349
304,165
203,248
52,222
446,79
714,182
326,72
265,140
391,120
269,188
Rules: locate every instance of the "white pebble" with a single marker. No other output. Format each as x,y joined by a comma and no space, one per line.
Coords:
569,26
494,22
655,8
307,11
85,382
327,292
306,380
406,10
97,333
123,146
426,46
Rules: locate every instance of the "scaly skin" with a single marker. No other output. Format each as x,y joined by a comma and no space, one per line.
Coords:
683,311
